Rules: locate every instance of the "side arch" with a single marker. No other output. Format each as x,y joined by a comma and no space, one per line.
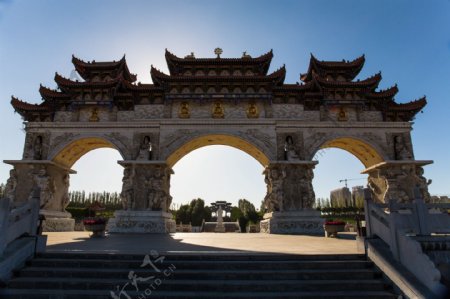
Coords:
367,152
69,152
217,139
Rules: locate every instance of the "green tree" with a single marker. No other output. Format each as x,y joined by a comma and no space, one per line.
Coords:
194,212
245,206
197,207
236,213
183,215
248,214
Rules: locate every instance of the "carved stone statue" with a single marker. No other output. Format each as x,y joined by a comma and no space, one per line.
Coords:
127,189
290,150
145,149
66,197
37,148
44,186
378,187
156,195
268,190
275,197
11,184
422,183
308,195
400,149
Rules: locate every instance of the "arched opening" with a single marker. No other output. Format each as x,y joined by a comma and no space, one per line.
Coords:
338,179
98,171
218,173
73,151
218,168
337,168
218,139
365,152
98,175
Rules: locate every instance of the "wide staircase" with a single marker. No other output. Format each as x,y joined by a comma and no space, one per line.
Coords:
197,275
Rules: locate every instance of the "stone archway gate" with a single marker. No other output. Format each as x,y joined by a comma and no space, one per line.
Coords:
205,101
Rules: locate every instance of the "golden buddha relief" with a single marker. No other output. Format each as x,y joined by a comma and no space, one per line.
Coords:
184,110
218,110
342,115
94,115
252,111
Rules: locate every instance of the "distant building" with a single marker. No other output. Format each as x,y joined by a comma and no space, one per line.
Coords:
358,196
341,197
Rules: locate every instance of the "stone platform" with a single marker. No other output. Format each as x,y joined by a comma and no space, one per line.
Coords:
305,222
141,222
57,221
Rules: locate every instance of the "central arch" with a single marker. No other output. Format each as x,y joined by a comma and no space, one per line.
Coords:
217,139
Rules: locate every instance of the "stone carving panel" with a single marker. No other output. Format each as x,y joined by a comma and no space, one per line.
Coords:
398,183
126,116
311,115
58,141
149,111
127,193
176,139
289,187
11,185
64,116
371,116
36,146
290,111
260,138
122,142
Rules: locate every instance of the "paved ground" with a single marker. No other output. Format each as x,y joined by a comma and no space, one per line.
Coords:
203,242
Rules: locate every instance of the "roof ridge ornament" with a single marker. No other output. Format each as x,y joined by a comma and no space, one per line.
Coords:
218,52
245,55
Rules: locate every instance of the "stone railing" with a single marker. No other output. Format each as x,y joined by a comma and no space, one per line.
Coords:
399,224
18,221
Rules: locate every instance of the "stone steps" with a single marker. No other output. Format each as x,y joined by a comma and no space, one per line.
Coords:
205,285
95,294
243,275
315,274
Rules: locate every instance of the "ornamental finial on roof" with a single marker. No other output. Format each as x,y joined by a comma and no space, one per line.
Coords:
245,55
218,51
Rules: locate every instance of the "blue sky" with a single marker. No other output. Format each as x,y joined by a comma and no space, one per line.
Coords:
409,41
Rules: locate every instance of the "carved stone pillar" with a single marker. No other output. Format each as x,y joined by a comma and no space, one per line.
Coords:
47,181
290,198
146,199
397,180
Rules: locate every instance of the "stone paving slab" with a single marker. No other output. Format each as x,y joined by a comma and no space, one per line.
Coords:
200,242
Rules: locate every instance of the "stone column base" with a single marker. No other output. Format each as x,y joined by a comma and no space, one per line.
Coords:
154,222
220,228
56,221
305,222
